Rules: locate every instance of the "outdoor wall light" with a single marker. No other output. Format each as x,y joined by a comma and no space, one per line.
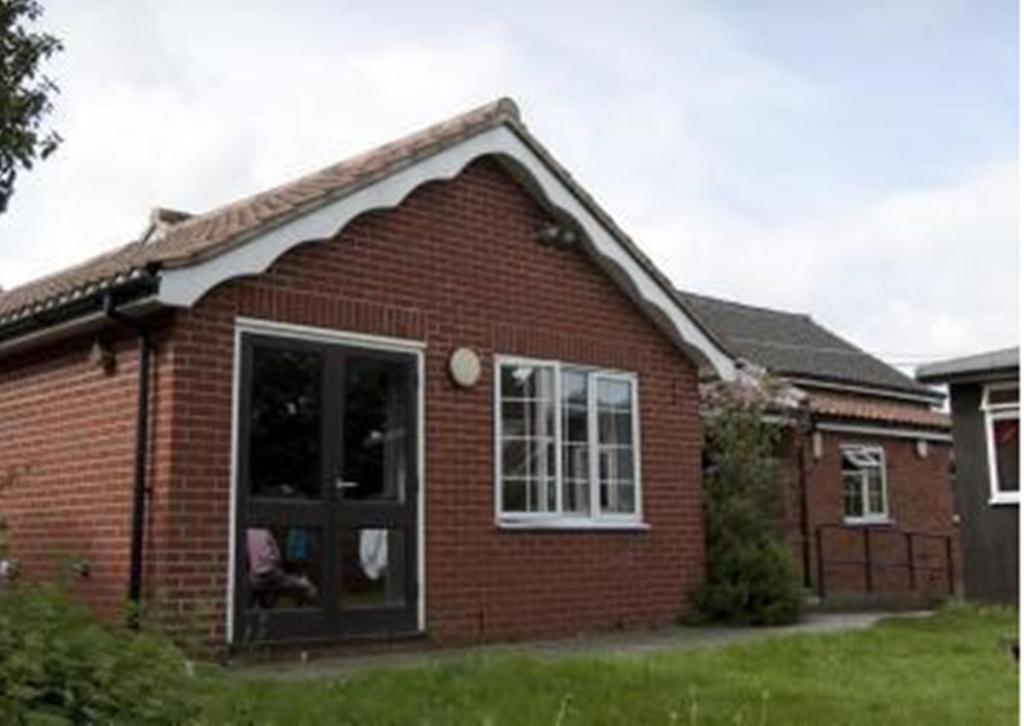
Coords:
817,445
464,367
557,235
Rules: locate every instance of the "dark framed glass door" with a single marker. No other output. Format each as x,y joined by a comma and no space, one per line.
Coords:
326,535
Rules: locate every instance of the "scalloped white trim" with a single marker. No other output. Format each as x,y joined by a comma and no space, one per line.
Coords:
183,287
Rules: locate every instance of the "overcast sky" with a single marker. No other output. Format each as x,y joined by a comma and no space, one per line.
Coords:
855,160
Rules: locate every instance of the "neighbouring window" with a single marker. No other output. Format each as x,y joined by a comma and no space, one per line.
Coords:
566,443
863,474
1001,406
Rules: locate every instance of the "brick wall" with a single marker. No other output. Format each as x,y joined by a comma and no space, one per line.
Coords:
920,498
67,443
457,264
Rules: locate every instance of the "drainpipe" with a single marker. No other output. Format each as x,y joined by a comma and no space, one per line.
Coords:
141,451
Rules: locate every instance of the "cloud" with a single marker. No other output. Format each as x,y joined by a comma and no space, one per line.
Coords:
724,163
915,274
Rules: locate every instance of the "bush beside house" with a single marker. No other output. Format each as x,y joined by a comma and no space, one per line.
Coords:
59,665
751,577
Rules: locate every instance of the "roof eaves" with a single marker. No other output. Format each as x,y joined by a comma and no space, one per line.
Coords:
131,283
920,391
588,201
506,112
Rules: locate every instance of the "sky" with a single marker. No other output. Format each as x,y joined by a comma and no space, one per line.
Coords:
857,161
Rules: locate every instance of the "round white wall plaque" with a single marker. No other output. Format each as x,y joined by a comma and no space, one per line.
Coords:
464,366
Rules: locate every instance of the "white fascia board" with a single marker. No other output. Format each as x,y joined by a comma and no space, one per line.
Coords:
184,286
899,433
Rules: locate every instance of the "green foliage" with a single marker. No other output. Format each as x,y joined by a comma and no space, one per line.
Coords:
25,94
59,666
751,577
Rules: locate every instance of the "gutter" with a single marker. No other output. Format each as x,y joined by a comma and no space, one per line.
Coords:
68,309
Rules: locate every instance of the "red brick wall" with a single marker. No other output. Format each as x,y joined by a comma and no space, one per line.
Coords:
67,443
920,498
457,264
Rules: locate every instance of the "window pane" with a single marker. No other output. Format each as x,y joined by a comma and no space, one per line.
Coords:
284,422
373,568
614,394
284,566
530,494
574,388
574,420
528,457
541,495
853,497
876,494
618,497
1006,433
863,489
576,461
576,497
615,427
375,429
616,463
513,495
526,381
514,457
527,418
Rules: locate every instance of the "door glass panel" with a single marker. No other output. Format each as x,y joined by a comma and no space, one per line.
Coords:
376,429
373,567
284,423
284,566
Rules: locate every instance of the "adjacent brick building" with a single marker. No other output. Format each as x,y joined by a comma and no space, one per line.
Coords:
432,390
866,495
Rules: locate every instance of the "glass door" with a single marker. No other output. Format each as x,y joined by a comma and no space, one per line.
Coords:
375,488
326,525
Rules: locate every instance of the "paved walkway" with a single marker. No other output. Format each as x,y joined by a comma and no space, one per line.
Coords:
609,644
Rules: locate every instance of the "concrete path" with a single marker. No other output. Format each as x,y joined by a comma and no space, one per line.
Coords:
609,644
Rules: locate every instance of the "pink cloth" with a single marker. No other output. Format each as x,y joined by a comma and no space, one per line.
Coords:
264,555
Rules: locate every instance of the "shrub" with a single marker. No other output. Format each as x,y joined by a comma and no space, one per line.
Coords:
751,577
59,665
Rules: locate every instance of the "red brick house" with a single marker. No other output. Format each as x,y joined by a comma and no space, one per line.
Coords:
866,496
431,391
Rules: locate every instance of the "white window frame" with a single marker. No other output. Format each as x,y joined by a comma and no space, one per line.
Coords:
998,412
866,517
557,519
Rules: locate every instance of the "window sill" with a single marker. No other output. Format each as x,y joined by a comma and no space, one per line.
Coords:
573,525
868,521
1004,501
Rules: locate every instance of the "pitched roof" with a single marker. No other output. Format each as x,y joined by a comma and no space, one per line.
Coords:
793,344
890,412
181,256
182,240
1005,359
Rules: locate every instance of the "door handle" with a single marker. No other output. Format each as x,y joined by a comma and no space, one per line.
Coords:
341,485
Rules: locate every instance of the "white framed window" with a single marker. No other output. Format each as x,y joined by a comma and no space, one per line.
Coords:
863,474
1001,406
566,445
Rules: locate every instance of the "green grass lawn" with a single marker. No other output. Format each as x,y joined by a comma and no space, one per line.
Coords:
948,669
